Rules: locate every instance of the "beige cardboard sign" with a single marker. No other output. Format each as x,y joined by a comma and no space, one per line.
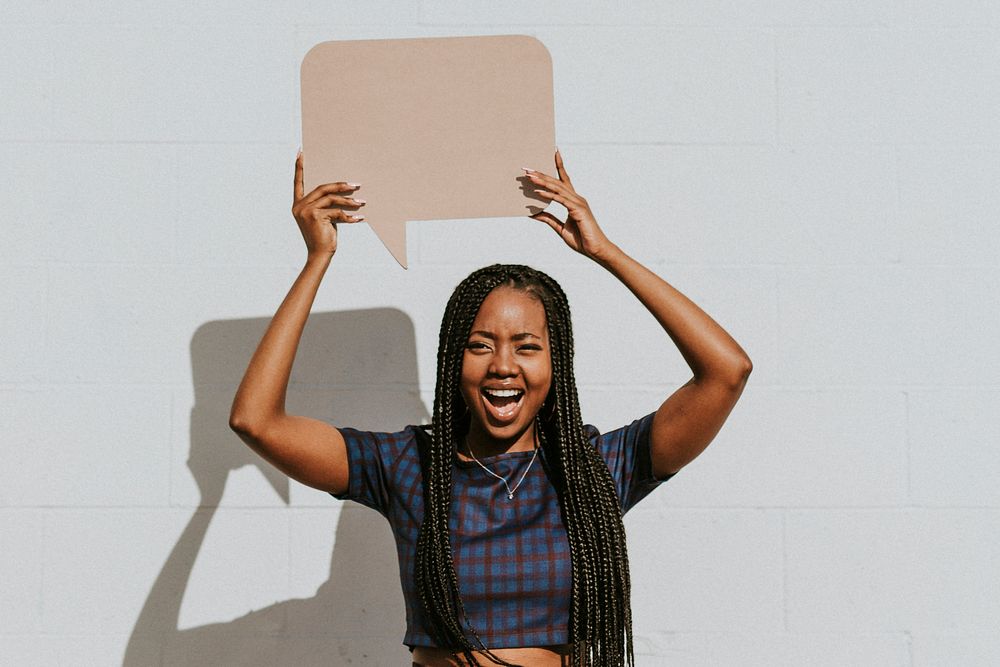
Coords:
432,128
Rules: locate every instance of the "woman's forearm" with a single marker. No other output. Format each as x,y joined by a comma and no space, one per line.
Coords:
706,347
261,395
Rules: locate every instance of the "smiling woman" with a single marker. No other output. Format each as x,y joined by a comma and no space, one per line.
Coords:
501,561
500,570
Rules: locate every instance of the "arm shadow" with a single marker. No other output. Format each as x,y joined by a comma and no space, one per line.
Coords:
354,368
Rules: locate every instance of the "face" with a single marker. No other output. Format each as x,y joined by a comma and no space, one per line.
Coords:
506,369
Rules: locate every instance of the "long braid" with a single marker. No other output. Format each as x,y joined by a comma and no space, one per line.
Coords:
600,612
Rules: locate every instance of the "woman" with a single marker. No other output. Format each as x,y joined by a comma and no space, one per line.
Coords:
501,560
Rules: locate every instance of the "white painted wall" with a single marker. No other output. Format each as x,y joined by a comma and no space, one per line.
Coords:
820,177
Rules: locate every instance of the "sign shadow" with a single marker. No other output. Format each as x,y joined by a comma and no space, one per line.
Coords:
353,368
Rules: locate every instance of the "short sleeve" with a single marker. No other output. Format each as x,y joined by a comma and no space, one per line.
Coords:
626,450
370,458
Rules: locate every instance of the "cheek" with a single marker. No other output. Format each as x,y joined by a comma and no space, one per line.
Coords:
543,377
469,377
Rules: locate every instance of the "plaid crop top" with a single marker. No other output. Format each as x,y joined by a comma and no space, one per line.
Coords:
511,556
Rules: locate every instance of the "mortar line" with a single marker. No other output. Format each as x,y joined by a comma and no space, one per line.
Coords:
784,569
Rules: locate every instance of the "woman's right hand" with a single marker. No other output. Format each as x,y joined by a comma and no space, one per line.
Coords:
317,215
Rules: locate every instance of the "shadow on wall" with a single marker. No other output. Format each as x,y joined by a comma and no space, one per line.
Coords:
354,368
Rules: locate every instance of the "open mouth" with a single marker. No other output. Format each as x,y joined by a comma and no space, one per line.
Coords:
503,404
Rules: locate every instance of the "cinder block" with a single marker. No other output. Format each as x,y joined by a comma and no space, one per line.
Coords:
23,172
127,82
241,565
651,13
948,202
236,206
863,86
83,445
796,448
222,646
598,71
116,203
910,570
766,649
839,14
360,593
618,341
953,446
101,649
313,532
964,13
21,549
379,13
485,241
934,649
611,408
26,83
22,322
95,15
102,568
115,324
210,465
705,570
840,86
30,650
904,315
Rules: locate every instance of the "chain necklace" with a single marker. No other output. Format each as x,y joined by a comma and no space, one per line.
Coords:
510,491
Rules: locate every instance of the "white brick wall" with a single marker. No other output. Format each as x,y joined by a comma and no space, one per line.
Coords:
820,177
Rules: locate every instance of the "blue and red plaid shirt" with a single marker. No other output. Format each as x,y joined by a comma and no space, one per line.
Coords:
511,556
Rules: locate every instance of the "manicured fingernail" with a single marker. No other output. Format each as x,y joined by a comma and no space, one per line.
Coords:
557,149
354,185
360,201
530,171
300,150
359,217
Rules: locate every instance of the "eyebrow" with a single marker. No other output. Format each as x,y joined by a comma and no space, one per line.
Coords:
520,336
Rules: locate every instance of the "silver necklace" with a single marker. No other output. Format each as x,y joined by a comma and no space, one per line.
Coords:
510,491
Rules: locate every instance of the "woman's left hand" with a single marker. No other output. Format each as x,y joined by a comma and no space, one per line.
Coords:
580,230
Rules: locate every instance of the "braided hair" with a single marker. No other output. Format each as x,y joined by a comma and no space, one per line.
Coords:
600,613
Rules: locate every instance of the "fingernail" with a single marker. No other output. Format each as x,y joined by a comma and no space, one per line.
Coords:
359,217
530,171
300,150
360,201
354,185
557,149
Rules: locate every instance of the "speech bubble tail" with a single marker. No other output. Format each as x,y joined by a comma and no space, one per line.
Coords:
392,234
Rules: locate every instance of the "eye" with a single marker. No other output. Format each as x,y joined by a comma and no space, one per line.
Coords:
476,345
533,348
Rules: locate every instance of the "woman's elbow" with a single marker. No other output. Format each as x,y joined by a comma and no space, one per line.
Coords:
242,424
740,371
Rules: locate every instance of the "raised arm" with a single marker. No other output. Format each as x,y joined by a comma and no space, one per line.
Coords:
689,419
308,450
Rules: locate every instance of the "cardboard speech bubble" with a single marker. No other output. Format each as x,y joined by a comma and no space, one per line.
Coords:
432,128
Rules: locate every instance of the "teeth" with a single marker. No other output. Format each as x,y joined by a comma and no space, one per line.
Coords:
503,393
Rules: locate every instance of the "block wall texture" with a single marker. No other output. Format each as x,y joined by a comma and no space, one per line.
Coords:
820,177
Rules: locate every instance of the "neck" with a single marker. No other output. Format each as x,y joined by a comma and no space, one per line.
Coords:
483,445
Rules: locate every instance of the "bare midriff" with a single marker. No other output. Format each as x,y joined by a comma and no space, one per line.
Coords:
542,656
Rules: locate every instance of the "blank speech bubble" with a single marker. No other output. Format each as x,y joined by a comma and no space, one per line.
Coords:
432,128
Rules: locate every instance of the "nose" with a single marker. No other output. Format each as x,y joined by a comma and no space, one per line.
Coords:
502,363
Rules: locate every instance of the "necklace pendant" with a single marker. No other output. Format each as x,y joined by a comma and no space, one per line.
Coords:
510,496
